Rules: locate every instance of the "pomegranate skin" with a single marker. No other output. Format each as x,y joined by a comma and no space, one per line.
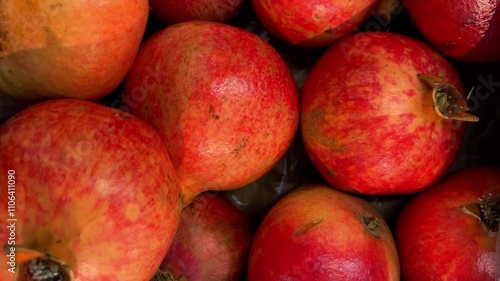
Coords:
212,241
369,123
315,23
68,48
94,187
222,99
175,11
463,30
437,240
318,233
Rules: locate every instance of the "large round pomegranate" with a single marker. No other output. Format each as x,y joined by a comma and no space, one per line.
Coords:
91,194
318,233
68,48
312,23
379,114
464,30
449,232
222,99
211,243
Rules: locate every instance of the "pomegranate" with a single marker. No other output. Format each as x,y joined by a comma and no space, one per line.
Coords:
382,114
68,48
312,24
91,196
464,30
318,233
222,99
211,243
174,11
449,231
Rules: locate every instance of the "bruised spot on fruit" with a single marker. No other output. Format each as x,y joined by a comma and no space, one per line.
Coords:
123,115
311,129
331,173
372,225
132,212
44,268
55,6
240,147
306,227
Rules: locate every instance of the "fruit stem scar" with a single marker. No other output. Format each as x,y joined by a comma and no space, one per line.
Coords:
45,268
448,102
487,212
372,225
165,275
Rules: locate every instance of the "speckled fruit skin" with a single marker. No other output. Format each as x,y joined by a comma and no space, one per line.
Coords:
175,11
94,188
368,122
212,241
222,99
317,233
465,30
68,48
438,241
312,23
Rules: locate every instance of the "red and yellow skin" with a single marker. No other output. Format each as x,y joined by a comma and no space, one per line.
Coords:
176,11
94,188
68,48
318,233
211,243
464,30
222,99
315,23
437,240
369,124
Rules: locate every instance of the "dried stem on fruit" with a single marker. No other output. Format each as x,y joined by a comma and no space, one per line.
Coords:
448,102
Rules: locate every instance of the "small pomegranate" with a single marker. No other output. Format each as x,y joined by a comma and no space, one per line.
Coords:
211,244
222,99
449,232
464,30
382,114
318,233
91,194
312,24
174,11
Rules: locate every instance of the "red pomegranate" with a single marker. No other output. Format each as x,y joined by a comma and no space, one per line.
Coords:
312,23
68,48
212,242
464,30
318,233
222,99
91,194
449,231
174,11
382,114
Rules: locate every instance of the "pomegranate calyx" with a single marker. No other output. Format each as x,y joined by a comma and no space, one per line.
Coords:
372,225
448,102
44,268
487,212
166,275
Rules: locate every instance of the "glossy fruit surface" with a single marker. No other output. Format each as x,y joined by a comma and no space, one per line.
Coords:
312,23
319,233
222,99
464,30
212,241
449,231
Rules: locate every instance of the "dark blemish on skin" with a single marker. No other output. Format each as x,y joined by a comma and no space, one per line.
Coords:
146,108
331,173
329,30
216,117
123,115
211,109
56,5
306,227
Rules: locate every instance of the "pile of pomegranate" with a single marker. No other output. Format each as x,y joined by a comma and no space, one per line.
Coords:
258,140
